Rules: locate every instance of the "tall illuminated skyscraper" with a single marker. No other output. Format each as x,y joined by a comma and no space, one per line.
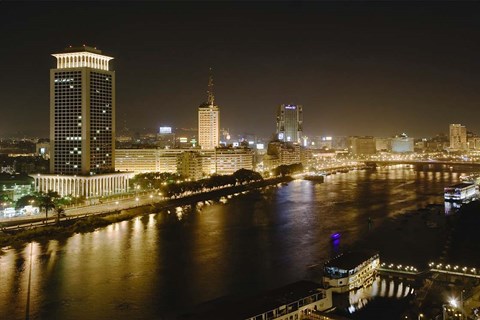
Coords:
82,127
458,137
82,113
209,120
290,123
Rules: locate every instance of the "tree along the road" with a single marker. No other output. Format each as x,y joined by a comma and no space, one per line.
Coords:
154,180
174,184
59,213
284,169
48,201
245,175
30,199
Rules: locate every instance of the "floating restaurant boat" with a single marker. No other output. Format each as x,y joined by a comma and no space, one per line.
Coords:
351,270
298,300
460,192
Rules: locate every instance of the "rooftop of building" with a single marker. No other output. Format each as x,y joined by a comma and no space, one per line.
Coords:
234,308
83,48
207,105
350,260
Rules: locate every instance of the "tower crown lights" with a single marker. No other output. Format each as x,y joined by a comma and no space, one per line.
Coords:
80,57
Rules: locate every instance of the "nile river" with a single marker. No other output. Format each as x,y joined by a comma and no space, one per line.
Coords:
159,265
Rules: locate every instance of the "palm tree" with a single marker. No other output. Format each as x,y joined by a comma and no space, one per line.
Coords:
60,211
47,201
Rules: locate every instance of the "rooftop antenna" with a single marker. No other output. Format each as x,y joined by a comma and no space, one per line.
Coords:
211,96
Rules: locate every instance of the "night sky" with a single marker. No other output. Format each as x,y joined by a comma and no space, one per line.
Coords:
376,68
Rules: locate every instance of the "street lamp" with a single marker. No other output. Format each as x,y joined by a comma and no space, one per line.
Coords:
453,302
420,316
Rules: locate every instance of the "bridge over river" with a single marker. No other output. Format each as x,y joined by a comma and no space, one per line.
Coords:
422,162
433,268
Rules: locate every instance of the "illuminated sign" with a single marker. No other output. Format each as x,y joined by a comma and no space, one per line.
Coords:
291,107
165,129
260,146
183,140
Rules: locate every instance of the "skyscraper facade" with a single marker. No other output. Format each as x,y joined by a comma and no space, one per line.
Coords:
82,127
82,113
290,123
458,137
209,121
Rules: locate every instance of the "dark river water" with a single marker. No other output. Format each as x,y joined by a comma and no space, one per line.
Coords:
159,265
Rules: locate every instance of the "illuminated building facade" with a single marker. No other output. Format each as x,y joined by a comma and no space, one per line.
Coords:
383,144
283,153
82,113
229,160
82,127
147,160
363,145
290,123
193,163
458,137
209,121
190,164
402,144
86,186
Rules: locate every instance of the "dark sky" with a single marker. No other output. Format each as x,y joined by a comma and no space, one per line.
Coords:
374,68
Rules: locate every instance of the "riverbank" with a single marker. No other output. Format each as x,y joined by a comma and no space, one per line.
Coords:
71,225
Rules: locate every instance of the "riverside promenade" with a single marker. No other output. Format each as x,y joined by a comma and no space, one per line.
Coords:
144,201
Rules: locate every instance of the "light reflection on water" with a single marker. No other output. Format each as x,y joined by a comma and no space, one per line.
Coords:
155,265
380,287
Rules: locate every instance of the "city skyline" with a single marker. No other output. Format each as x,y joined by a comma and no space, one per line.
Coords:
181,178
349,65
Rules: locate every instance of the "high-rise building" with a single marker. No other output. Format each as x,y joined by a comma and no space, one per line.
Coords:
165,138
362,145
383,144
290,123
209,120
402,143
458,137
82,112
82,127
282,153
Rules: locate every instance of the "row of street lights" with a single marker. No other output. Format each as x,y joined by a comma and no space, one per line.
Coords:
448,267
399,267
